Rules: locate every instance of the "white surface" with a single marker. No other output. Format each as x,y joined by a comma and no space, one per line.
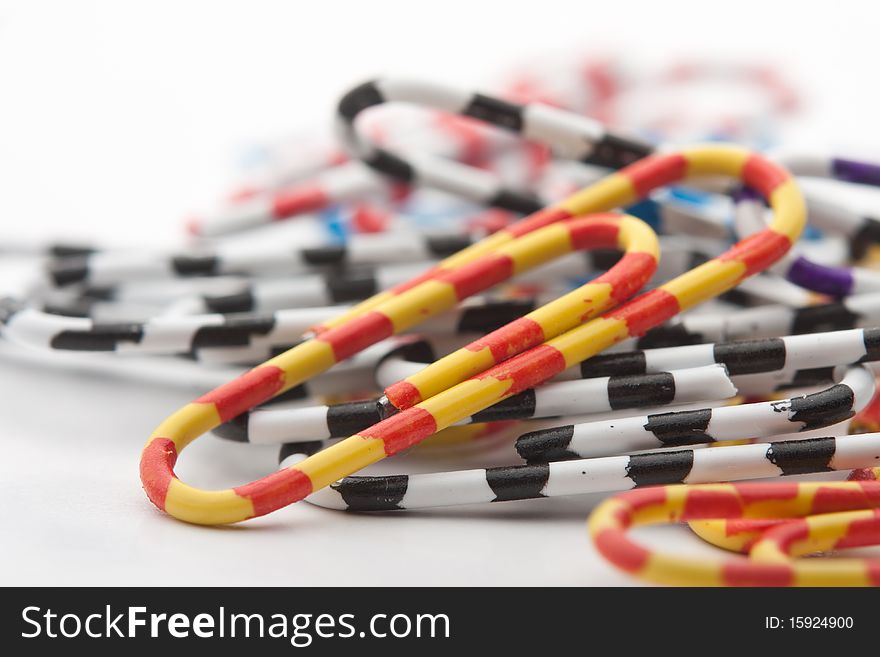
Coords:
118,118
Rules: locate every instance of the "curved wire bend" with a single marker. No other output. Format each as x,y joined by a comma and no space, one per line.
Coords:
494,259
774,523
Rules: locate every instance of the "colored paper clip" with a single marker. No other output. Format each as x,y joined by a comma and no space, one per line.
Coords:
562,461
599,475
525,354
774,523
358,179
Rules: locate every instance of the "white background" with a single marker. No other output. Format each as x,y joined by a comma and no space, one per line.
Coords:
116,118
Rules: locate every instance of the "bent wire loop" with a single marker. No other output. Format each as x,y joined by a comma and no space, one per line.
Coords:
517,357
804,518
570,135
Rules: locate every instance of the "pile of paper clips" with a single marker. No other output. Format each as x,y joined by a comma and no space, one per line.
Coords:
463,261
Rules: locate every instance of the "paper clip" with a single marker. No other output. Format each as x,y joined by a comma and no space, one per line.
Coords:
451,391
774,523
360,178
